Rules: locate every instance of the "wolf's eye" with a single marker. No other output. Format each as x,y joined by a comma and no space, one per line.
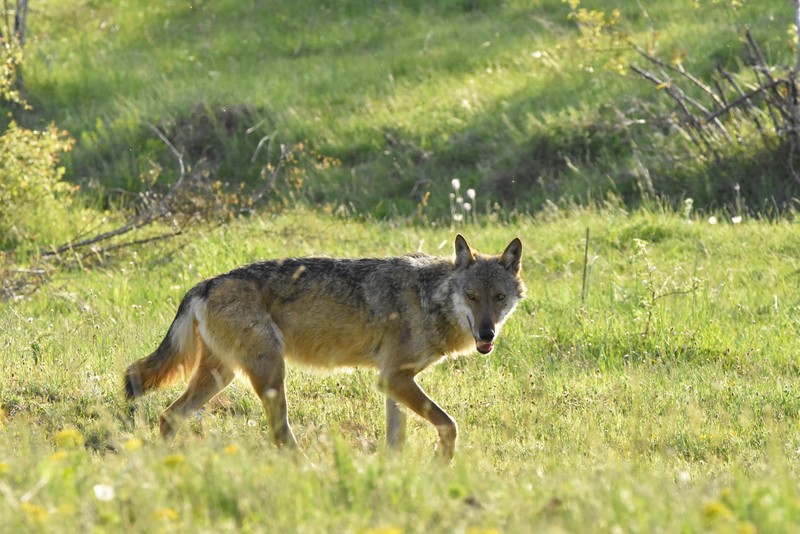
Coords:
471,295
500,296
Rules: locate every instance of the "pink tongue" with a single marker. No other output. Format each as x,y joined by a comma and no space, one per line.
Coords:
484,347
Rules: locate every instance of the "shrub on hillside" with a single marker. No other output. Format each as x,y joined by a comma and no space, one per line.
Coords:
31,183
34,197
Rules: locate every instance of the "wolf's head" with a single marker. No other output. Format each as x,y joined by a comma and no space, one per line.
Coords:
487,289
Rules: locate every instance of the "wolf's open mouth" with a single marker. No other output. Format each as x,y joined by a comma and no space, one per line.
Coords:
484,347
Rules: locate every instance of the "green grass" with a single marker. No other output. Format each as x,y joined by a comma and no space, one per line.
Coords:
604,419
406,94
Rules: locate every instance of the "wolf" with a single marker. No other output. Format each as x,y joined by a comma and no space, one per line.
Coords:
398,315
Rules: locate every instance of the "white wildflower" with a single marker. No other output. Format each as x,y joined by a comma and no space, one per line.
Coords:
467,206
456,183
712,220
471,194
737,219
103,492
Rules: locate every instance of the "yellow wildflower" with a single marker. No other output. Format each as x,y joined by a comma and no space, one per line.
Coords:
133,444
716,511
174,460
166,513
33,512
69,438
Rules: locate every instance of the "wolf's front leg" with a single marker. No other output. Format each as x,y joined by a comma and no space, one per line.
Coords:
400,386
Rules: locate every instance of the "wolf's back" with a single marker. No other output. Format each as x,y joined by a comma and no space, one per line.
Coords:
176,354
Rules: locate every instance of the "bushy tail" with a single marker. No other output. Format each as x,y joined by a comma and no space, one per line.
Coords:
176,354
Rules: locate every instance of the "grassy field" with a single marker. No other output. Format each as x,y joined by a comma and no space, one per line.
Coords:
657,393
406,95
669,402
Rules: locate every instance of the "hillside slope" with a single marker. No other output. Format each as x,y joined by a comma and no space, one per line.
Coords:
399,97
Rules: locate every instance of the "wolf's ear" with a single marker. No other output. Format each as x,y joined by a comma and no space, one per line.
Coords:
465,256
512,256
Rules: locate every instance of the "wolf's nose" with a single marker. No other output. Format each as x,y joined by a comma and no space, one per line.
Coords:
487,334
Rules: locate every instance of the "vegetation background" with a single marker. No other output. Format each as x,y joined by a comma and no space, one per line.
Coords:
648,383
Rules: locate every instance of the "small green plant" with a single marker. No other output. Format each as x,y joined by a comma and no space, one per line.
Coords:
11,61
657,286
600,33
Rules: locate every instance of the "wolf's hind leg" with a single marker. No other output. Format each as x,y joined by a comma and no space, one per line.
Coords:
210,377
395,424
267,374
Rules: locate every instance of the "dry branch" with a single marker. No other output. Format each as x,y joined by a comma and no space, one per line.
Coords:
152,214
775,97
682,96
706,111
